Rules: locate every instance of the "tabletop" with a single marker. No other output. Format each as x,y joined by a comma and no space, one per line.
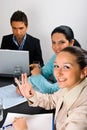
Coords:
23,108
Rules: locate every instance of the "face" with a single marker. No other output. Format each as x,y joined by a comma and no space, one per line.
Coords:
67,71
19,30
59,42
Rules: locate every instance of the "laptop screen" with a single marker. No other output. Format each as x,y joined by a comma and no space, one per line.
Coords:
10,59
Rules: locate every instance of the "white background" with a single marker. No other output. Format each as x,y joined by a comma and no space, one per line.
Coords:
44,16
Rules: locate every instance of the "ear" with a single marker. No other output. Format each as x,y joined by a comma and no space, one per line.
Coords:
72,42
84,73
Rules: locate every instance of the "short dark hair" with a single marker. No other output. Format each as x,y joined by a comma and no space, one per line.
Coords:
79,53
19,16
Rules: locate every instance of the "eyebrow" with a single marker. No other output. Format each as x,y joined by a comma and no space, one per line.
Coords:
64,63
18,27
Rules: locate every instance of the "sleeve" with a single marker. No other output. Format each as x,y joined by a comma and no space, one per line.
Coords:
47,101
38,55
3,45
48,69
42,85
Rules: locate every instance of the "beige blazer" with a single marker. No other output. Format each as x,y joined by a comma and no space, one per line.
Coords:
72,116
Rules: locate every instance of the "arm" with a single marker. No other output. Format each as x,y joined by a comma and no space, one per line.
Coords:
3,43
40,81
36,98
7,43
46,70
38,51
42,84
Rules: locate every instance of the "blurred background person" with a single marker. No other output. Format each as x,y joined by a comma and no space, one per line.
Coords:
20,40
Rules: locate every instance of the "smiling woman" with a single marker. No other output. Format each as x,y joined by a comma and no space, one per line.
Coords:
70,102
69,71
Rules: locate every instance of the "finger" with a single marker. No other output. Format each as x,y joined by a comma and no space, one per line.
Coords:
31,65
26,80
17,82
15,119
18,91
22,78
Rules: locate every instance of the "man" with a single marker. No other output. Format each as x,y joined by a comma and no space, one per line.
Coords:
20,40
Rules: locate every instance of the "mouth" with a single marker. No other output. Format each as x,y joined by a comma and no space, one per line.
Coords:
61,80
57,52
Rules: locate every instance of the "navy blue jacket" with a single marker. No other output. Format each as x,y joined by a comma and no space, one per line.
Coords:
32,45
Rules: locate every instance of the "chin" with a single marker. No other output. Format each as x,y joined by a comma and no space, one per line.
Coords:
61,86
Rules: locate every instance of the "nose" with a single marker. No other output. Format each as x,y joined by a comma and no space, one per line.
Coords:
58,47
59,71
18,31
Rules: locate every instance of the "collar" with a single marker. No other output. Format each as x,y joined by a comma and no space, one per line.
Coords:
71,96
22,43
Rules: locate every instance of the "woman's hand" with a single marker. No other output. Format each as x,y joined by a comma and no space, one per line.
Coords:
24,87
35,69
20,124
18,91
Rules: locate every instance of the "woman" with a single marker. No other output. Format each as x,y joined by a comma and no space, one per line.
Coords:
70,101
61,37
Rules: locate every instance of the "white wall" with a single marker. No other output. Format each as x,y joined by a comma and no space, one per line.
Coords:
44,16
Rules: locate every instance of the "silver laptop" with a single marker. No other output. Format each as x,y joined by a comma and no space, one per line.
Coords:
10,59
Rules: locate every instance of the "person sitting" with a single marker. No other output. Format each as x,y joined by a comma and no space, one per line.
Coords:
70,101
20,40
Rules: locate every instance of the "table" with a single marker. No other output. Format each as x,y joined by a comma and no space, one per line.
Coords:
23,108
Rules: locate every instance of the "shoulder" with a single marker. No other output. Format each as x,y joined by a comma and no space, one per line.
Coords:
53,58
7,36
51,61
82,98
32,38
84,93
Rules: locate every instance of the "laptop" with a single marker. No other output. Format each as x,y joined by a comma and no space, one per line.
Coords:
10,59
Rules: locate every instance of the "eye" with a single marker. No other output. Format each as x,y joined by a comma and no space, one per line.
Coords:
66,67
61,42
53,42
56,66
